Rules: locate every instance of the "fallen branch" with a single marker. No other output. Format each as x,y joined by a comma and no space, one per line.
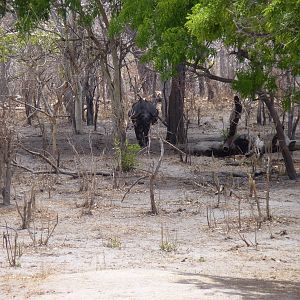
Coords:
15,99
41,156
174,147
57,169
143,177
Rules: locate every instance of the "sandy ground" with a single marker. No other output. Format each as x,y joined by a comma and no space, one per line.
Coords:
118,250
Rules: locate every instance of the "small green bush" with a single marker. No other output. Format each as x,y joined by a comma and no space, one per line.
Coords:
127,157
168,246
114,242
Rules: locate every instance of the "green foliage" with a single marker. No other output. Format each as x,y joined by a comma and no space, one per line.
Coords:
168,246
290,99
175,31
209,20
13,43
3,8
31,12
286,104
267,31
252,80
283,21
139,15
296,97
127,155
7,45
160,30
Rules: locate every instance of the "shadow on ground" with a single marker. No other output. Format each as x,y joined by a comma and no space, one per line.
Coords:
244,287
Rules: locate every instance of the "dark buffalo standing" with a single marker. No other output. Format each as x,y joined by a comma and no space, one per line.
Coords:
143,113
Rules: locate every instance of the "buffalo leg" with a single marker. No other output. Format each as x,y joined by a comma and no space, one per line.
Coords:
140,135
146,132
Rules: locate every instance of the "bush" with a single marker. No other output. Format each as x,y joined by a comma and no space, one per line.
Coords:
127,157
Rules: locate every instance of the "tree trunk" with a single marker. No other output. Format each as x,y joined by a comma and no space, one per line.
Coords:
78,108
289,165
146,78
7,181
89,88
117,103
259,113
175,122
223,63
165,99
100,93
233,122
6,154
89,91
3,82
6,139
296,123
89,109
28,89
210,91
201,86
290,112
73,70
53,121
114,80
290,120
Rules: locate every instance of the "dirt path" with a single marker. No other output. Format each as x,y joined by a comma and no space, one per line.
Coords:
158,284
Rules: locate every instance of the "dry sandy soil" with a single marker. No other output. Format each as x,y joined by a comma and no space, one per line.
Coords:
118,250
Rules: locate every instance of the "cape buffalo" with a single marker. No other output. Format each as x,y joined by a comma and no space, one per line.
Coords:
143,113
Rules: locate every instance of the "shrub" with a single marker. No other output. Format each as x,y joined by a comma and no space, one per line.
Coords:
127,157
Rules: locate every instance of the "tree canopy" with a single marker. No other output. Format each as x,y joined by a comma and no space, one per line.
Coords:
265,35
160,30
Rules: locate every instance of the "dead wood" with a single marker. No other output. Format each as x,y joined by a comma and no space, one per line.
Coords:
243,238
56,169
214,147
174,147
136,182
153,177
26,216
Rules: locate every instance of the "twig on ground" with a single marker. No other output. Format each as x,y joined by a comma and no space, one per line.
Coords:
57,169
129,189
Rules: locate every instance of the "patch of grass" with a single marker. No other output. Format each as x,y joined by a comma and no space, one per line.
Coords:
201,259
168,246
114,242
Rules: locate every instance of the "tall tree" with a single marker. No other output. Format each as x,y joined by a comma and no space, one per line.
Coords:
265,36
160,30
94,17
